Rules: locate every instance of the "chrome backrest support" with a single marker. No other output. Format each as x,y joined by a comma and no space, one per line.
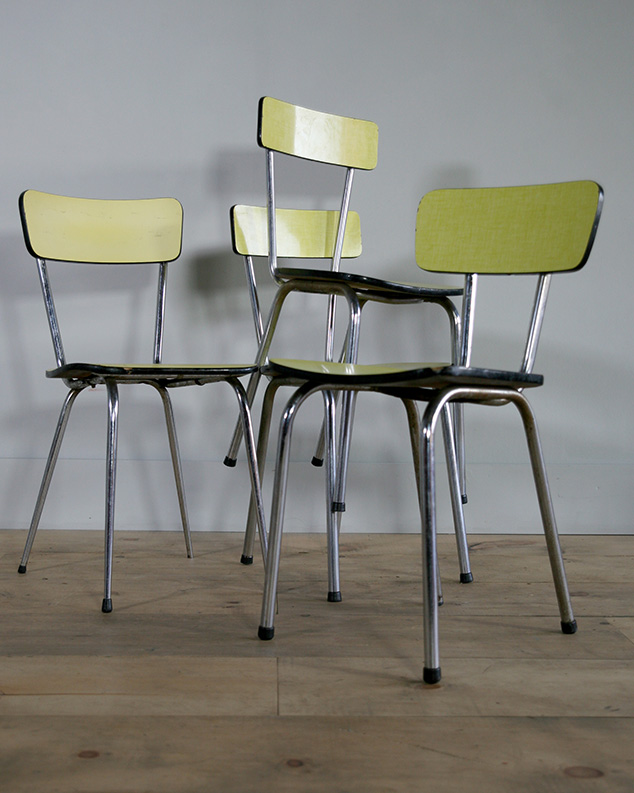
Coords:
160,313
537,319
51,313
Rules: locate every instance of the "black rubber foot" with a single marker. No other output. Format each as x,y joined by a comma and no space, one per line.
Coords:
246,559
466,578
465,498
317,462
334,597
338,506
22,569
265,633
106,606
569,627
431,676
230,462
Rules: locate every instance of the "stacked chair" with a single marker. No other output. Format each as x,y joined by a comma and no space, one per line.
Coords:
332,235
112,232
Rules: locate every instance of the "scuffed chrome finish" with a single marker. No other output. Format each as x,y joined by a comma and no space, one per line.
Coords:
277,505
270,202
262,445
468,309
336,261
256,489
464,359
319,449
537,319
176,464
53,454
428,511
51,313
111,479
282,293
253,297
332,518
457,506
348,404
413,421
160,313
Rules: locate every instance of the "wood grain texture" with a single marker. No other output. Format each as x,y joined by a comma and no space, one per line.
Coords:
174,692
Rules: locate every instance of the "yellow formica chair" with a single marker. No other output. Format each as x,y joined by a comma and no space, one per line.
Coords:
528,230
117,232
350,144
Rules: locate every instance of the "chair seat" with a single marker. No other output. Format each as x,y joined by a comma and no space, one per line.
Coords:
163,373
424,375
368,284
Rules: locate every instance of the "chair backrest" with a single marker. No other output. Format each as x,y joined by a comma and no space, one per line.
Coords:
312,135
534,229
508,230
92,231
320,137
301,233
62,228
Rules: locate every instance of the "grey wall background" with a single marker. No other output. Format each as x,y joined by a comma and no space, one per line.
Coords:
136,98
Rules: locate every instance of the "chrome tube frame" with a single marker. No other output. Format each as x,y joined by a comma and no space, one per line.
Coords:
537,319
253,297
51,461
437,408
254,474
262,446
111,480
51,313
431,670
176,463
282,293
160,313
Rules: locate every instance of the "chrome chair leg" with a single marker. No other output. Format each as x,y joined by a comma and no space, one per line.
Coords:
457,498
262,445
53,454
568,622
177,465
232,454
431,668
111,479
348,404
266,629
332,516
414,434
256,487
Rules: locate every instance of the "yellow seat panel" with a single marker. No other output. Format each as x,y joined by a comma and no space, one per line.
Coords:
313,135
504,230
300,233
69,229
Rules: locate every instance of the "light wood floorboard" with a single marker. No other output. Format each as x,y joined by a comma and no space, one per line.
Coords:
174,692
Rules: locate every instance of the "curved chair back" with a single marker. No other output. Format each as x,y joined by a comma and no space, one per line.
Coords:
533,229
62,228
301,233
312,135
508,230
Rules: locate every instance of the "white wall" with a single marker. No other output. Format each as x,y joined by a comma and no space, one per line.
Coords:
135,98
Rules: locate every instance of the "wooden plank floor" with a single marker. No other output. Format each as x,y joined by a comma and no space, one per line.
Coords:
174,692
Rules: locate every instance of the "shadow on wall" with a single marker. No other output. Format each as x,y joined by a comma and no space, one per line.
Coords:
239,177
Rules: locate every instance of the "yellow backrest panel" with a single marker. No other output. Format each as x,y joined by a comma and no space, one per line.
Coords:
101,231
300,233
532,229
338,140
